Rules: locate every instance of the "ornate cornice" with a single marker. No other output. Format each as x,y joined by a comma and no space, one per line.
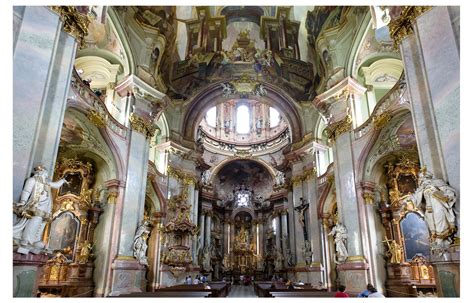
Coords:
74,22
307,174
181,176
336,129
403,25
142,126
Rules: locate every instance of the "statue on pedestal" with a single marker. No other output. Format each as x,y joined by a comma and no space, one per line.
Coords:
139,243
394,250
206,177
339,232
439,199
33,210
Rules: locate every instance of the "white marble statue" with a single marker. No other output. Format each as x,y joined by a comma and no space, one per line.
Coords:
139,243
206,177
260,91
279,178
339,232
227,89
33,210
439,199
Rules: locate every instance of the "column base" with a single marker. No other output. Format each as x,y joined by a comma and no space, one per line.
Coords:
354,274
128,276
447,272
27,270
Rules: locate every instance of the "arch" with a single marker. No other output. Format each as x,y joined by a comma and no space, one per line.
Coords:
212,94
107,151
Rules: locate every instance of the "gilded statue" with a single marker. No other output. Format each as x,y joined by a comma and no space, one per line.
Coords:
395,251
33,210
243,236
439,200
85,253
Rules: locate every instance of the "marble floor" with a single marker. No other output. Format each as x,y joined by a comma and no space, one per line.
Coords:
241,291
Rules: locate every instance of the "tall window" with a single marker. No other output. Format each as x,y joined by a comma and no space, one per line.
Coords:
274,117
243,119
211,116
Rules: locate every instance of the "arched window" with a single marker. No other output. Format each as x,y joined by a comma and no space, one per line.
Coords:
274,117
211,116
243,119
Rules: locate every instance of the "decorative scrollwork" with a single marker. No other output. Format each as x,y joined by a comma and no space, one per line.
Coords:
403,25
74,22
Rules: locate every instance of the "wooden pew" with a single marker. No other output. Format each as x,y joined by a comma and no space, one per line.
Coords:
170,294
301,293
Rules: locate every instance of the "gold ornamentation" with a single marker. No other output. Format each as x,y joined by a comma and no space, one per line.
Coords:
368,198
307,138
142,126
74,22
381,120
244,85
395,251
181,176
336,129
85,254
96,118
405,168
307,174
112,197
403,25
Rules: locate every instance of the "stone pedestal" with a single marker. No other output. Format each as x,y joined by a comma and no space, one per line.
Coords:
27,270
128,276
354,274
447,273
311,274
399,281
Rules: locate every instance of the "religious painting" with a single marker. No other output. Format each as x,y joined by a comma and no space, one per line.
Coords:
406,135
406,184
72,133
416,236
64,230
75,184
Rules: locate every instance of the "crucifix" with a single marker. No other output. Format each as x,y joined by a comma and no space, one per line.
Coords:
301,209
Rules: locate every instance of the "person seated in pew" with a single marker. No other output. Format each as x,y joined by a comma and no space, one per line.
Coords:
341,292
273,286
196,280
206,285
290,285
300,282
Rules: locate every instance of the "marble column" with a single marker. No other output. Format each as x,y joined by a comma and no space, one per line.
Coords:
154,254
128,274
291,225
208,230
314,227
284,230
299,231
278,232
339,101
432,65
202,228
43,57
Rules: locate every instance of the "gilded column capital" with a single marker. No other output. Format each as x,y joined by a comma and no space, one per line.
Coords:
142,126
74,22
336,129
403,25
